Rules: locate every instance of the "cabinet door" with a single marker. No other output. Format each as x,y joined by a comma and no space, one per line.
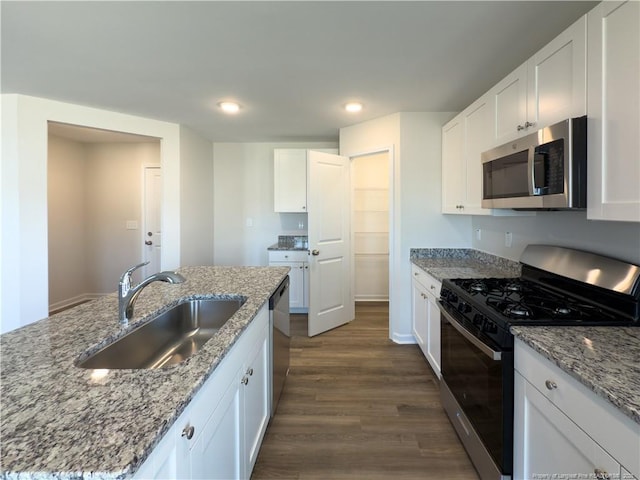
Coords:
298,296
433,334
290,180
453,183
613,111
256,402
216,452
557,78
547,442
419,315
477,120
509,99
163,461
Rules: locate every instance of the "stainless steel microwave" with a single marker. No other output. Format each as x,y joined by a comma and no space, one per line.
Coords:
546,170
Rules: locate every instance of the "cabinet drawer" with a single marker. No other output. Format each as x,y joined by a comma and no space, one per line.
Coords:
431,285
288,255
615,432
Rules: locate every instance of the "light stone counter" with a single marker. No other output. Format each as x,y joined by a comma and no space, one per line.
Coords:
443,263
604,359
60,421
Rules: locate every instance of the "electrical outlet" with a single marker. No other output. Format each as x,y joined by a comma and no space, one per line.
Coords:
478,234
508,239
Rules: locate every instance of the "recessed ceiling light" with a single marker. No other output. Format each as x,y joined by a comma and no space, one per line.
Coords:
353,107
229,107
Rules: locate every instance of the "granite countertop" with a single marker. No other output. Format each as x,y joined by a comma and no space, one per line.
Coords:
60,421
277,246
443,263
604,359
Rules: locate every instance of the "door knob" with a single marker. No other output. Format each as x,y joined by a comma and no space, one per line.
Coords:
148,242
315,252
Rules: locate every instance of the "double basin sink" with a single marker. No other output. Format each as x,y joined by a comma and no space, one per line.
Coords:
168,338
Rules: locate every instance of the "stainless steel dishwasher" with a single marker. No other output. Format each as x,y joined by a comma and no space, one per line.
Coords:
280,339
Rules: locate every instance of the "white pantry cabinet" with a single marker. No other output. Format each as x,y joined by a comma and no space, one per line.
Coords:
426,315
290,180
613,112
296,260
219,434
548,88
562,428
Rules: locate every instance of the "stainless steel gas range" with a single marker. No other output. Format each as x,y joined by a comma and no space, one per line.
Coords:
558,286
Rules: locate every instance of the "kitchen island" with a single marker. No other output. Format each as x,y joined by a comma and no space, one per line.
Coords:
61,421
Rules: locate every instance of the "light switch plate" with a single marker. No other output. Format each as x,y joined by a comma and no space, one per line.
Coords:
131,225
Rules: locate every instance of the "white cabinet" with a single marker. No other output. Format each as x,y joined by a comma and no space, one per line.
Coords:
562,428
426,315
463,140
548,88
290,180
613,112
296,260
219,434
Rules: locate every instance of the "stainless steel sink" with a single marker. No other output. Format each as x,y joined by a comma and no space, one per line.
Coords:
167,339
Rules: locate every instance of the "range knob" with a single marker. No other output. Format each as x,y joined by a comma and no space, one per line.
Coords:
490,327
478,320
463,307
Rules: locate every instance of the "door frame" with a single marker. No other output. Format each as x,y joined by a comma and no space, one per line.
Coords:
394,193
143,213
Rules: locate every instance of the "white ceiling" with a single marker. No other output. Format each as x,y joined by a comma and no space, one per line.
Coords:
291,65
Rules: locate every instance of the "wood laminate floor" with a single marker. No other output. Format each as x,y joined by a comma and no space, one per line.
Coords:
358,406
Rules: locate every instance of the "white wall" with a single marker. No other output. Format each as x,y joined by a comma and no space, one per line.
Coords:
113,196
24,270
416,221
569,229
196,200
66,217
243,189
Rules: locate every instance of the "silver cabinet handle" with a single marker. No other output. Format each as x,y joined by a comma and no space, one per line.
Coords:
529,124
432,287
188,432
148,242
250,372
551,385
315,252
521,127
244,380
416,273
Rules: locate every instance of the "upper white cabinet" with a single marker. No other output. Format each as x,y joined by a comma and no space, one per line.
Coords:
548,88
290,180
463,140
453,168
614,112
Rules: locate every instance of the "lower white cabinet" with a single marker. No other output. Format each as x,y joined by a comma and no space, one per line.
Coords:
426,315
219,434
296,260
563,430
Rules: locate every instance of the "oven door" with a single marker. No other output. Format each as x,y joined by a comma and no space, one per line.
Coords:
477,393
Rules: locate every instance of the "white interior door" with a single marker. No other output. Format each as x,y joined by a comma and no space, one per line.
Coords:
331,301
152,229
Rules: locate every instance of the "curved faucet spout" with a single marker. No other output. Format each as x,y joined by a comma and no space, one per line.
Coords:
127,294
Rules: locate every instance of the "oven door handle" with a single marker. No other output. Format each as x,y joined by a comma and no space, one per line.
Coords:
488,351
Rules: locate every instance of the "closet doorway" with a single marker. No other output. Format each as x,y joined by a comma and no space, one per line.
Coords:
370,226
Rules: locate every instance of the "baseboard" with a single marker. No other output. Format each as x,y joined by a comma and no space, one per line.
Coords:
372,298
58,307
403,338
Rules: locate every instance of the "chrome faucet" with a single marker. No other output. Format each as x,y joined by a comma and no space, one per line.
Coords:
127,294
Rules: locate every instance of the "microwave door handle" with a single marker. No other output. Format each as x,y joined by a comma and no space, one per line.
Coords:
488,351
531,172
